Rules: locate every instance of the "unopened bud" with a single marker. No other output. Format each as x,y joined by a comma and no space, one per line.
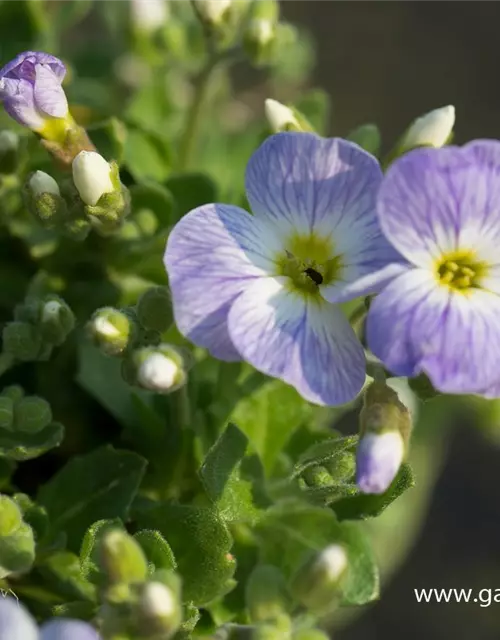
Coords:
260,34
281,117
32,414
266,594
122,558
9,152
160,368
379,458
92,176
385,426
212,12
317,583
10,517
149,15
154,309
40,182
111,330
56,321
433,129
159,611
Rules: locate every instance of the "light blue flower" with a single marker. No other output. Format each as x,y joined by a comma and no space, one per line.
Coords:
440,208
265,287
31,91
16,623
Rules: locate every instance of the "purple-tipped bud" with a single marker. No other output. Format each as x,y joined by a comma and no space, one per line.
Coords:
31,91
379,457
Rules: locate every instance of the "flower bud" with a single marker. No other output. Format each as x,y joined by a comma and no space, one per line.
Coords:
385,426
317,583
32,414
212,12
43,199
92,176
159,610
159,369
56,321
111,330
281,117
9,152
121,558
433,129
260,35
266,594
149,15
40,182
10,516
154,309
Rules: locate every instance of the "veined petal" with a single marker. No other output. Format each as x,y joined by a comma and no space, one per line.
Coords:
425,199
49,95
17,96
305,183
212,254
416,325
307,343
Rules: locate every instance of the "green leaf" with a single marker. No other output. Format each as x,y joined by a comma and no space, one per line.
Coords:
62,573
324,452
109,137
157,550
290,533
153,197
190,190
100,484
147,155
201,543
269,417
17,551
25,446
362,505
221,474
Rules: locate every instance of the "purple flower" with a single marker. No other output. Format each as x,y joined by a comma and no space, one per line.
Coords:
16,623
263,287
378,459
440,208
30,88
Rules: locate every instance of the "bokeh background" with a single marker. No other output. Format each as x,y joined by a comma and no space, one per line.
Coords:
388,62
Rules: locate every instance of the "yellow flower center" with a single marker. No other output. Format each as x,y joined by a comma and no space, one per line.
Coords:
460,271
309,261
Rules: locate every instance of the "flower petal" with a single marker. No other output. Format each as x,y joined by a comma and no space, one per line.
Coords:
34,57
416,326
16,623
307,343
306,182
49,94
426,199
212,254
17,96
62,629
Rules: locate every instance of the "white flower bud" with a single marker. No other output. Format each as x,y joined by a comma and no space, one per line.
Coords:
158,372
158,601
51,310
149,15
92,176
334,561
212,10
40,182
280,117
433,129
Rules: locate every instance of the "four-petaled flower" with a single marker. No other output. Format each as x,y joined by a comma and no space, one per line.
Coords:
264,287
30,88
440,208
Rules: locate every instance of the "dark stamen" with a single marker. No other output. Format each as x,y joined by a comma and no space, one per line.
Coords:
316,277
